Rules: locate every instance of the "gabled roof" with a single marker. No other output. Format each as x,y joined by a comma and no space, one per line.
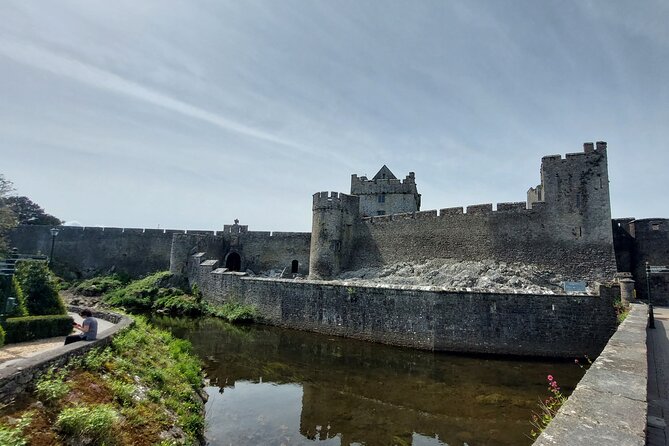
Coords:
384,173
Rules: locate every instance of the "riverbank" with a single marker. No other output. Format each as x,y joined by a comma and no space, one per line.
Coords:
143,387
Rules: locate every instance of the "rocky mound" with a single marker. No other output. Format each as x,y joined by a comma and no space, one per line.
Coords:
487,275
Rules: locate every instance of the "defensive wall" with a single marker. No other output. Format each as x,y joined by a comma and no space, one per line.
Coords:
421,317
83,252
565,225
640,241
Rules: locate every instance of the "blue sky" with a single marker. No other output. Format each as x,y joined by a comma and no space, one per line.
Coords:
189,114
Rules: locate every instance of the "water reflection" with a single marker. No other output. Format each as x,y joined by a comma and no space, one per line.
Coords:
274,386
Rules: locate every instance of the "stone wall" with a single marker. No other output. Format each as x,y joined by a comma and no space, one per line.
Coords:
82,252
608,407
565,226
640,241
511,233
19,376
426,318
258,251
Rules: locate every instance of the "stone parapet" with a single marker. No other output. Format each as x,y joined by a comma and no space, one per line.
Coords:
608,407
19,376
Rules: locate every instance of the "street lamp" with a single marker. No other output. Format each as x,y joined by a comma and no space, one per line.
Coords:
54,233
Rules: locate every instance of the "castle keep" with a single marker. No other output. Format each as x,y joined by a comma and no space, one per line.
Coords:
565,225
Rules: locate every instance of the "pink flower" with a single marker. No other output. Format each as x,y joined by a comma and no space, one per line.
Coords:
576,361
550,377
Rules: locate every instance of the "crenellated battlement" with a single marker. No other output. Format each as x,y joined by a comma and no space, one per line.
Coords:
507,209
363,186
333,200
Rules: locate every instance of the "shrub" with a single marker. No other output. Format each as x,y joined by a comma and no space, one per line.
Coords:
234,312
83,422
19,329
179,304
97,286
39,288
2,338
140,294
9,287
51,386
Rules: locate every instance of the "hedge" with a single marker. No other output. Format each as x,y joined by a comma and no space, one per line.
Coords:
20,329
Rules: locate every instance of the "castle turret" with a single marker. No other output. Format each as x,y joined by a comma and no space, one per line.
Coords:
385,194
331,233
575,191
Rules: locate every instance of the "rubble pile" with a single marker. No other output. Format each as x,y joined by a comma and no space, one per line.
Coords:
486,275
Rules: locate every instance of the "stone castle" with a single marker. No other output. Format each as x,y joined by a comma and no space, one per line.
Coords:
564,225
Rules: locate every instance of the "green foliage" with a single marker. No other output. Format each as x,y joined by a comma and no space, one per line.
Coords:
151,294
13,435
30,213
51,386
140,294
233,312
622,310
95,422
2,337
7,217
28,328
39,288
548,408
97,286
179,304
9,287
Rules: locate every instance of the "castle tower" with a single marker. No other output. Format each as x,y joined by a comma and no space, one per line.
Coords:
385,194
575,192
334,215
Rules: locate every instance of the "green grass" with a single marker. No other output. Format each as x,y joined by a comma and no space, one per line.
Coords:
94,422
151,294
97,286
143,383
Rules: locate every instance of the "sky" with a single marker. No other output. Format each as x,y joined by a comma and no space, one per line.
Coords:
190,114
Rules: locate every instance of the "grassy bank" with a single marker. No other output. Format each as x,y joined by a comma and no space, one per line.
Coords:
161,293
143,389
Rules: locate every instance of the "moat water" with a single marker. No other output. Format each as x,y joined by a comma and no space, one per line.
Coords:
271,386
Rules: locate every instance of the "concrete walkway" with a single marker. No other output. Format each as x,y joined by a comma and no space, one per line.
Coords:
11,353
658,379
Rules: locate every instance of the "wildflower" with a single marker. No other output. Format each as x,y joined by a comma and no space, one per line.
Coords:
550,377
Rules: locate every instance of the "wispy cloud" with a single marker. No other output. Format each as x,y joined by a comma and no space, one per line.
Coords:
61,65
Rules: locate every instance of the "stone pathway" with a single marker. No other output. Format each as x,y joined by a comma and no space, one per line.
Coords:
12,353
658,379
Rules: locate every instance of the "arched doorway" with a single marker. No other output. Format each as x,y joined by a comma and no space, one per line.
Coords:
294,266
233,262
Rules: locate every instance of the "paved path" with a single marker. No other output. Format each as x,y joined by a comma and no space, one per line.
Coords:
12,353
658,379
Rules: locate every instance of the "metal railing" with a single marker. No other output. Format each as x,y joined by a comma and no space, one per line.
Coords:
8,265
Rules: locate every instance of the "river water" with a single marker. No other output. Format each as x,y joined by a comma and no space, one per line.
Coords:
271,386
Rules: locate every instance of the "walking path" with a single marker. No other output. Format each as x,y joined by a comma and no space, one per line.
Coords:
9,354
658,379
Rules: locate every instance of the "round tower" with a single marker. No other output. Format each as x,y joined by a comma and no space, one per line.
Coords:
326,234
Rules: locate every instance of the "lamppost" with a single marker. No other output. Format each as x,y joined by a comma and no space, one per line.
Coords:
54,233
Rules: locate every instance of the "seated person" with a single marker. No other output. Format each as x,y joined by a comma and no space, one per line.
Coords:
89,328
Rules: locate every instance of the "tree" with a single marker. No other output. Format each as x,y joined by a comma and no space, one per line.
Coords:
7,217
30,213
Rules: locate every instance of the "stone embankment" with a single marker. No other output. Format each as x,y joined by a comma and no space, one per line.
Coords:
608,407
17,377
